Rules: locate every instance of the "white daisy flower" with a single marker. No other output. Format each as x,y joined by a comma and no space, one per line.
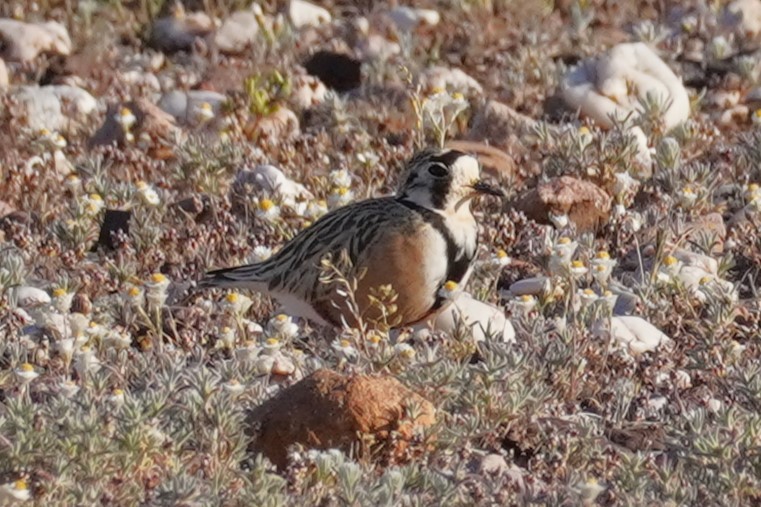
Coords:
236,303
147,194
126,118
686,196
93,204
559,221
267,210
340,178
116,397
73,184
561,255
62,300
16,491
272,346
315,209
587,297
405,351
525,303
68,388
26,373
669,268
756,117
233,387
227,337
449,290
156,290
578,268
260,253
282,325
602,267
340,196
345,349
204,112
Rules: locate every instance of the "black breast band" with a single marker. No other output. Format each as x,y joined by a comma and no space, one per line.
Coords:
457,261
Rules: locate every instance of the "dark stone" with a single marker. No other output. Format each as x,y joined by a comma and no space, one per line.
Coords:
338,71
115,220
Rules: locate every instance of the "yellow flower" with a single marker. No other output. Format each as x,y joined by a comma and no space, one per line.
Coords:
281,317
273,342
450,286
26,367
95,197
501,254
345,343
602,254
266,204
527,298
117,392
232,297
564,240
670,260
589,292
59,292
342,191
20,484
458,96
584,130
133,292
577,264
158,278
437,89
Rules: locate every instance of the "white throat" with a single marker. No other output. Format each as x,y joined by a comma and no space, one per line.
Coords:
462,225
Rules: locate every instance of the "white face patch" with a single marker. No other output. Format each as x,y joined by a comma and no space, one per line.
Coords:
465,171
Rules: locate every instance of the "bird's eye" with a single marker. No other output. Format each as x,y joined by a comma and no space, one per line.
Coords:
438,170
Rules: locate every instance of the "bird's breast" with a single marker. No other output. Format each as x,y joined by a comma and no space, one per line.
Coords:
464,232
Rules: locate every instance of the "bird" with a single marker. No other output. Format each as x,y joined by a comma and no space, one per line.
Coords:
415,242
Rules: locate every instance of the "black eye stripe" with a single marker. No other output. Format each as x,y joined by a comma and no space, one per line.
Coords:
438,170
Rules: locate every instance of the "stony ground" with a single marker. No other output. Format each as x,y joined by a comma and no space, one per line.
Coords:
144,143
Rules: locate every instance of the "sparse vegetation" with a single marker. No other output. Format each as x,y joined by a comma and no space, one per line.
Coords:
120,385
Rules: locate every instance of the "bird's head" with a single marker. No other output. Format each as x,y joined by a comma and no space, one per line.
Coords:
444,180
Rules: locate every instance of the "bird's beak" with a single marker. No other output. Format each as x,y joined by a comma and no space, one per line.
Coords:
483,188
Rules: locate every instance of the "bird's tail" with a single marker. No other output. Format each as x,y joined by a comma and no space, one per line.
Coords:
250,276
